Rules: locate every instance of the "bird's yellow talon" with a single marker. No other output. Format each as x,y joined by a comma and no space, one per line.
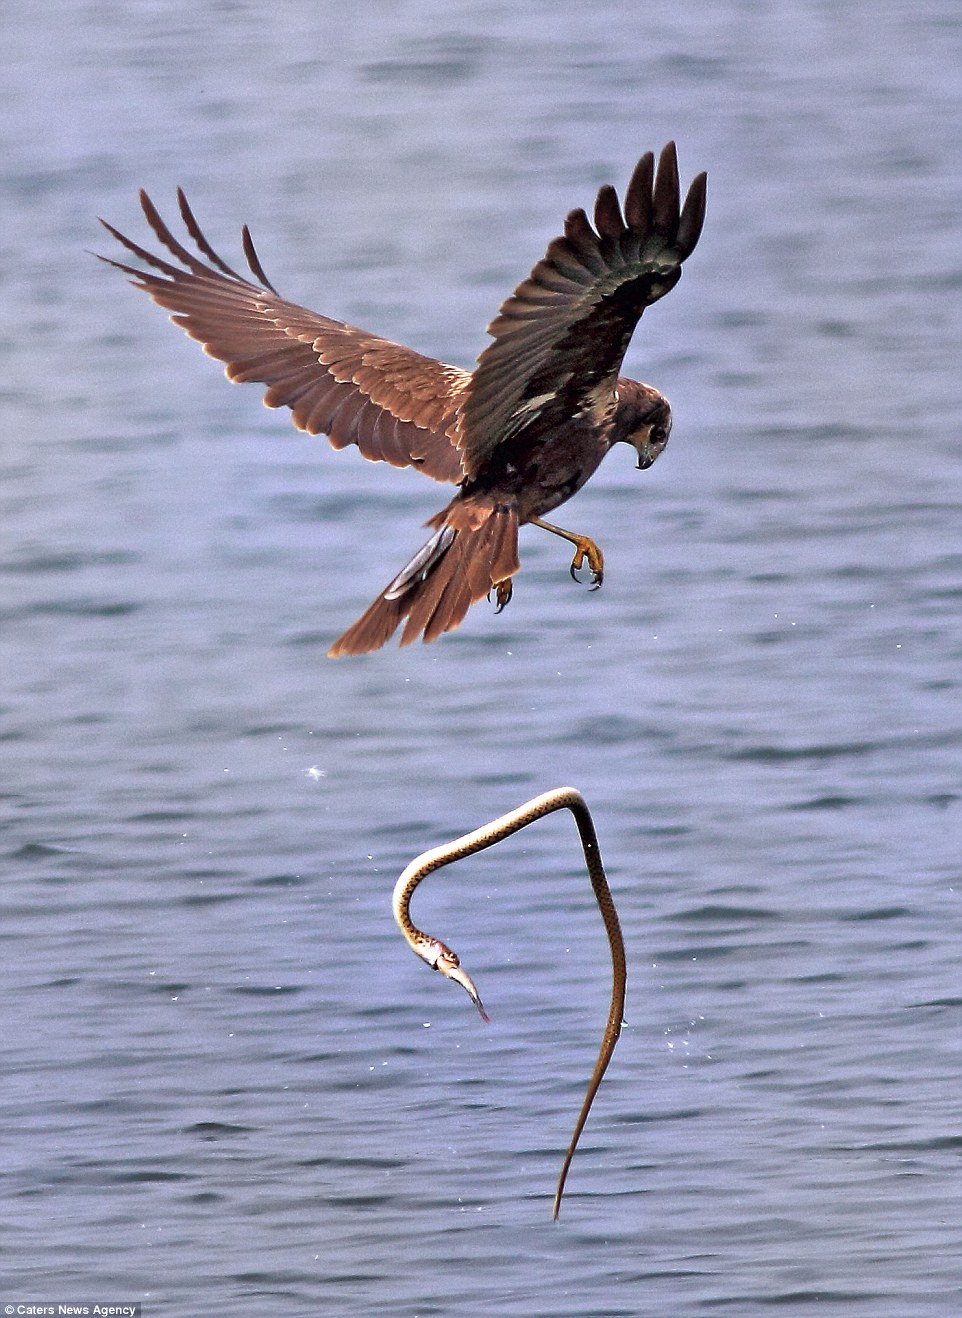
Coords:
588,554
502,593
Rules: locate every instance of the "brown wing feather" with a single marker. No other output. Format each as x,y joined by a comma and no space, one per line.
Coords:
560,338
396,405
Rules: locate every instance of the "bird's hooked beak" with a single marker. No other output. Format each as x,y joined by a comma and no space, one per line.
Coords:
648,424
650,442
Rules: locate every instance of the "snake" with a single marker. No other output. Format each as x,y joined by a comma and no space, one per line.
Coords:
440,957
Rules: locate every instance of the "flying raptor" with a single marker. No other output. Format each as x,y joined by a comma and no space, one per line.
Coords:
518,436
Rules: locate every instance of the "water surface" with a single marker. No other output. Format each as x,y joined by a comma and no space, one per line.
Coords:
228,1086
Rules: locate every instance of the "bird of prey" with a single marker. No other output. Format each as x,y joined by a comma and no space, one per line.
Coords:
518,436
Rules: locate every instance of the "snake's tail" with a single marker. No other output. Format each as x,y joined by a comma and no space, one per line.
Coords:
579,1127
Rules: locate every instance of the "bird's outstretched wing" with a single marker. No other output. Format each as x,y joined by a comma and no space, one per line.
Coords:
396,405
559,339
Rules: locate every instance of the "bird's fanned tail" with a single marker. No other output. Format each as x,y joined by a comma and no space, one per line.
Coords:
474,550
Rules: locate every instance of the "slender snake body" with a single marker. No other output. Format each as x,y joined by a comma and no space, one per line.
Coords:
440,957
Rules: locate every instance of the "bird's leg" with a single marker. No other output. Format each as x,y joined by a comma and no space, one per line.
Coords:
586,551
502,593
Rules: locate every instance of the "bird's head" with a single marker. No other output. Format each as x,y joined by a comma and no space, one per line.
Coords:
643,420
440,957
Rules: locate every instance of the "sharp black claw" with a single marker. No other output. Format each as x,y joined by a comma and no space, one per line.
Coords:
503,592
596,577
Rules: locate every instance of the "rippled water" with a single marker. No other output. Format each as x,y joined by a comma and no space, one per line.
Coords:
228,1086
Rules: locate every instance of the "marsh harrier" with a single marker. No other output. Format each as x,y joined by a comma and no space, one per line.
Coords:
518,436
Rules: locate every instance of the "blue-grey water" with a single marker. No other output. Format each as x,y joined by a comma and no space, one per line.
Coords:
227,1086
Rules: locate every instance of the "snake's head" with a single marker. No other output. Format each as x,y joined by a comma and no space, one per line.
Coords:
440,957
